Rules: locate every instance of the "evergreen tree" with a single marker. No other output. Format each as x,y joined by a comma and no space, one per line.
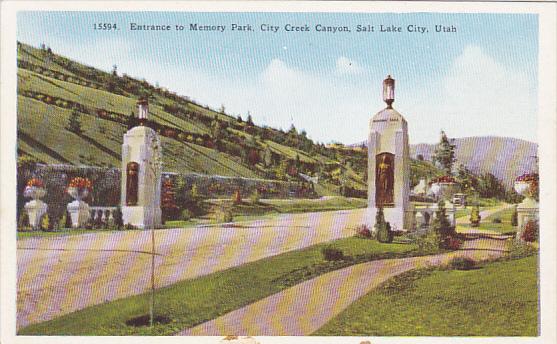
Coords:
444,155
74,122
268,157
249,121
441,224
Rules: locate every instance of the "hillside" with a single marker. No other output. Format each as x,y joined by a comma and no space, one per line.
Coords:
504,157
54,90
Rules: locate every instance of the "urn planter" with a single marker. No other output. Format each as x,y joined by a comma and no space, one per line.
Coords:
78,209
35,208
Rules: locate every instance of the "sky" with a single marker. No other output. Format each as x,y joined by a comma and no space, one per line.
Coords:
480,81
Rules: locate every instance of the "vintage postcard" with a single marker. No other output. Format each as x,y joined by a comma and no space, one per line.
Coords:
271,172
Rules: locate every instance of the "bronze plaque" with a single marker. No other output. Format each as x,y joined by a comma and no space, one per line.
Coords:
132,187
384,180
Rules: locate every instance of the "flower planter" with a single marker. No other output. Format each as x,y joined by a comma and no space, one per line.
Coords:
523,188
78,209
35,208
443,190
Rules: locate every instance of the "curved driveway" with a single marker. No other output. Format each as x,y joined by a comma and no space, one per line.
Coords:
58,275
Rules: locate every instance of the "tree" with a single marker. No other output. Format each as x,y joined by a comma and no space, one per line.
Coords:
489,186
239,119
268,157
114,70
475,216
168,200
444,154
74,122
441,224
222,109
249,121
282,169
383,231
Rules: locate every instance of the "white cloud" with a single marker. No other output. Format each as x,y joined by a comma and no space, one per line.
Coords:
487,97
326,106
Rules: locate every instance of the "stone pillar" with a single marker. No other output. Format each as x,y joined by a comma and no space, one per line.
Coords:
389,135
141,178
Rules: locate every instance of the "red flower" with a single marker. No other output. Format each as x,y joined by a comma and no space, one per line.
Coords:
35,182
81,183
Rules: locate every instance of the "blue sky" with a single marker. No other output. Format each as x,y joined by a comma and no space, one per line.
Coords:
481,80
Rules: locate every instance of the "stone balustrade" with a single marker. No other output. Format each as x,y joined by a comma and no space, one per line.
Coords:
102,214
424,214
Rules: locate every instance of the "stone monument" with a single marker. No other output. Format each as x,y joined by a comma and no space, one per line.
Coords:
389,164
141,174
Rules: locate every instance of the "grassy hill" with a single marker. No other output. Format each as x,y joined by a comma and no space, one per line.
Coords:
195,138
504,157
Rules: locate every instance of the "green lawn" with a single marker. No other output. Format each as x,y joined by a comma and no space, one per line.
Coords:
499,299
491,222
192,302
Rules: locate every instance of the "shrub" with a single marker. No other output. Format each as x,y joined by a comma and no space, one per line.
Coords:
129,226
385,234
185,215
363,231
475,217
45,222
520,249
452,243
23,222
224,214
237,198
441,224
497,220
62,223
118,218
514,218
255,196
531,231
428,243
462,263
330,253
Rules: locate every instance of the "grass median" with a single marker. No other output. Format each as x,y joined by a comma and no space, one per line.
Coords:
191,302
498,299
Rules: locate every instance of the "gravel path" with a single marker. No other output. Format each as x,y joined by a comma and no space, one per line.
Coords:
58,275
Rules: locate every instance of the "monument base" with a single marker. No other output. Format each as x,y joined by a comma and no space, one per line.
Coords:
142,217
398,218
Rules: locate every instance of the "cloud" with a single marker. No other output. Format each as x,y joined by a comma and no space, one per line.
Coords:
326,106
488,97
345,65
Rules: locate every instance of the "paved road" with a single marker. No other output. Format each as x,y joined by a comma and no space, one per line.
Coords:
58,275
304,308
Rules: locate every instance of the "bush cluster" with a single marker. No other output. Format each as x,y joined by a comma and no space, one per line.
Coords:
531,231
462,263
363,231
330,253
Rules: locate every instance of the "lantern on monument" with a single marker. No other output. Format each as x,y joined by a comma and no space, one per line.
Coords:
143,110
389,91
